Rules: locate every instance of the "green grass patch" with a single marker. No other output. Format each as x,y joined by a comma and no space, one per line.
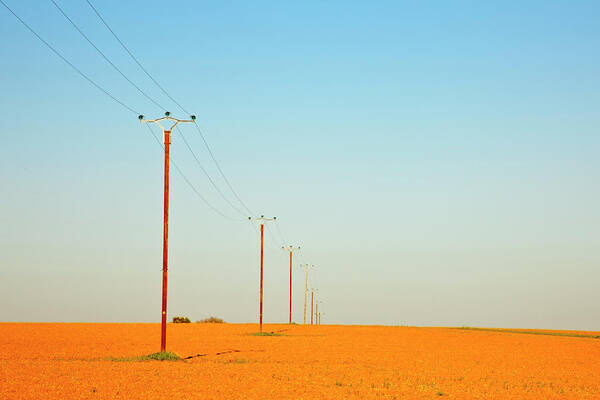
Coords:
237,361
267,334
164,356
566,334
211,320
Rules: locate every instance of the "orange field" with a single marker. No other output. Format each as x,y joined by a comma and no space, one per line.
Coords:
76,361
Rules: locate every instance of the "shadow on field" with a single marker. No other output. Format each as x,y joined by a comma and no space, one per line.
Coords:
164,356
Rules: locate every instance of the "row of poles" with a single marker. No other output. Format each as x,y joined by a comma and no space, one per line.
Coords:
315,315
167,142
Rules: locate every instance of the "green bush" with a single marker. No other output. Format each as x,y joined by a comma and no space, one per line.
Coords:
181,320
211,320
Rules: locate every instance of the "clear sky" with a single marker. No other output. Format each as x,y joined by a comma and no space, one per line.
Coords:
437,161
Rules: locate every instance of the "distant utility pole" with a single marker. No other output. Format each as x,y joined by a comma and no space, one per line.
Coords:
262,220
319,313
167,143
291,250
312,302
316,305
306,267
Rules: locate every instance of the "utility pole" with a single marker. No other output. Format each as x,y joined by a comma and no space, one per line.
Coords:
306,267
312,298
316,305
262,220
167,143
291,250
319,313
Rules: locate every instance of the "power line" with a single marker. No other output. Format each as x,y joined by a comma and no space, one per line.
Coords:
151,99
185,178
176,102
280,234
220,170
143,93
135,59
105,57
87,78
273,240
127,107
106,92
206,173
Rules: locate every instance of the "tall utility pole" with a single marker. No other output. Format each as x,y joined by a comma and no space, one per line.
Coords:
262,220
319,313
316,292
312,302
291,250
306,267
167,143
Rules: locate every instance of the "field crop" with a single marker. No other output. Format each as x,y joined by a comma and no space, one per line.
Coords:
228,361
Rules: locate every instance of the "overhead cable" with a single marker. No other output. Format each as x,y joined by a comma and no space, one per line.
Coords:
69,63
135,58
105,57
185,178
174,101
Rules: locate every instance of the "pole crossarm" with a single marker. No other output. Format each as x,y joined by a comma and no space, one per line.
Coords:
167,117
262,219
291,249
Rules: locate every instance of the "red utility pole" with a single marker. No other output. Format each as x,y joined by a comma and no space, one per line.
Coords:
291,250
312,295
262,239
319,313
290,321
163,321
316,313
167,144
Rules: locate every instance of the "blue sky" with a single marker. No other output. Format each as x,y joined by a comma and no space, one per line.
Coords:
436,161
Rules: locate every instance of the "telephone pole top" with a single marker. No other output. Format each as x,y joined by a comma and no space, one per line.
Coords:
167,117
